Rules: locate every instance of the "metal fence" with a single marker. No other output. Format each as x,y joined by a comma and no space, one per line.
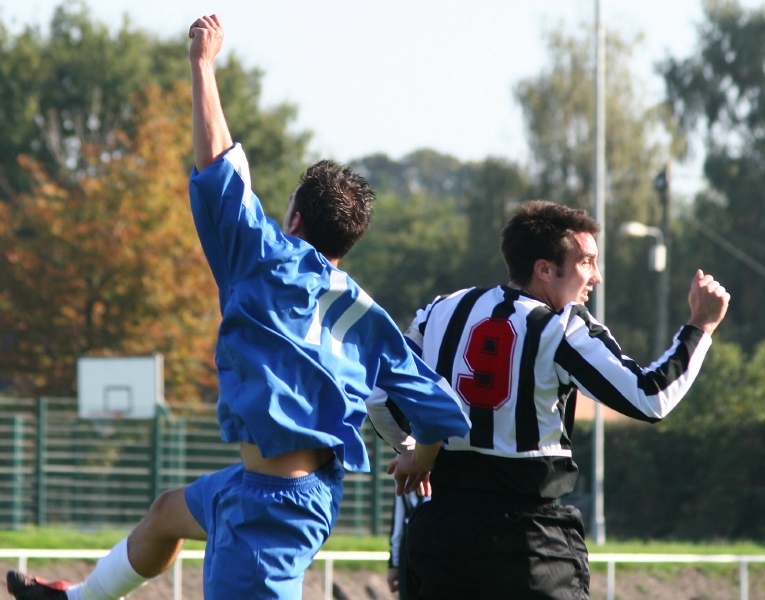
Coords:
23,555
58,469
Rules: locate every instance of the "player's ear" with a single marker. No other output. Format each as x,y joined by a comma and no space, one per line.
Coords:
295,226
544,270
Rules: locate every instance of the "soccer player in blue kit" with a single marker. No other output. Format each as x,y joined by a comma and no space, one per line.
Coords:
300,349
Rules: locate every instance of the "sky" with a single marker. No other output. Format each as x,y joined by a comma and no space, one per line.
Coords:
370,76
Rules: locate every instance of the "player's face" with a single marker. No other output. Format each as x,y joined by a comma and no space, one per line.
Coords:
579,274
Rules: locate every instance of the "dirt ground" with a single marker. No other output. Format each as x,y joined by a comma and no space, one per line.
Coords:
684,583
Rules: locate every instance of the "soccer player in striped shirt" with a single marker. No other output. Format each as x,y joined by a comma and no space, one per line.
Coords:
516,355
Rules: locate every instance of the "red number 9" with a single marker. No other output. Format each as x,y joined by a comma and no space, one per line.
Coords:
488,355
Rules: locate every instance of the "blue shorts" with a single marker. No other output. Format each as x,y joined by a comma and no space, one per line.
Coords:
263,531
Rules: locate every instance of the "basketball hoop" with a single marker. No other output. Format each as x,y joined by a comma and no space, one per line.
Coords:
106,423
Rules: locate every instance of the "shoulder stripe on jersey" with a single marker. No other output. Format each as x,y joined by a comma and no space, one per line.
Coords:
423,325
527,425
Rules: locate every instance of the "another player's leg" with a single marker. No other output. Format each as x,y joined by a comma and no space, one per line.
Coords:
149,550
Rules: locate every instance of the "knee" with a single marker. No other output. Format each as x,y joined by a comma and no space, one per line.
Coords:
166,509
168,503
170,517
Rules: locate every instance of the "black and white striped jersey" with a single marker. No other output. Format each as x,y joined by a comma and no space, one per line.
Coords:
515,365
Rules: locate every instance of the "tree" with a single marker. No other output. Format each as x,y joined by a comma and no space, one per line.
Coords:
417,238
719,91
109,264
436,227
496,186
559,110
74,88
730,390
98,253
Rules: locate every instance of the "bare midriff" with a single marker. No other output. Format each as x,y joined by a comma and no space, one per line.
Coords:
297,463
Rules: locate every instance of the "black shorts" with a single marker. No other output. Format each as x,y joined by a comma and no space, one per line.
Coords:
482,550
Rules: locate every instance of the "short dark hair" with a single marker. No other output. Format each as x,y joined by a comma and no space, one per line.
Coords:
336,207
541,229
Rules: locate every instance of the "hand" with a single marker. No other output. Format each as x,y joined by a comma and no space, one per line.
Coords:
708,301
206,35
393,579
409,475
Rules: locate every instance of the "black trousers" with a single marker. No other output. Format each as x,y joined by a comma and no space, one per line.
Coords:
462,550
408,581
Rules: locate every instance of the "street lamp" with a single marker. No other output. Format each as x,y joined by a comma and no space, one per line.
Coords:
657,259
657,262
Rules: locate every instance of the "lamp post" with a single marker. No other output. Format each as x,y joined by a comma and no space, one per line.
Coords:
598,528
657,262
598,521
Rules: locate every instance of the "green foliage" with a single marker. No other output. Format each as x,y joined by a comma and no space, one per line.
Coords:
676,483
730,390
108,263
78,86
559,110
435,229
496,186
719,89
410,253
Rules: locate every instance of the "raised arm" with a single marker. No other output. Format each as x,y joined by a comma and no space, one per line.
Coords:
210,130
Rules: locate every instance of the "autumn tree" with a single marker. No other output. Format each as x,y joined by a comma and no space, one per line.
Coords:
98,254
109,264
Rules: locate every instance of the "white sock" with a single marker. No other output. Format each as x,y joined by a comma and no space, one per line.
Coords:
113,578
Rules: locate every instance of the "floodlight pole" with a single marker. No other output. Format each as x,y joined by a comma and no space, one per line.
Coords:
598,525
662,185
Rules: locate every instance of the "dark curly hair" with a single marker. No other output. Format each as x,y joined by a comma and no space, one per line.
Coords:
336,207
541,229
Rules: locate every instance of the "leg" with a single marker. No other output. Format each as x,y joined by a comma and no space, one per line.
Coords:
156,541
149,550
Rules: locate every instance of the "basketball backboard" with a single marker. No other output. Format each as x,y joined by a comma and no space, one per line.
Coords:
127,387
